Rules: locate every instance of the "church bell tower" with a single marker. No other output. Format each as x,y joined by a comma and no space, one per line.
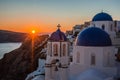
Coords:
57,62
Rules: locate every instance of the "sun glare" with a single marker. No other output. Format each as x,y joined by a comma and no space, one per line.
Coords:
33,31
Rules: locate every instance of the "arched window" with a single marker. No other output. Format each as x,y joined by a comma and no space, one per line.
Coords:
93,60
55,49
103,27
64,49
49,50
78,57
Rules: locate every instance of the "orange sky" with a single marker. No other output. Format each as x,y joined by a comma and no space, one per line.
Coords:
44,15
47,25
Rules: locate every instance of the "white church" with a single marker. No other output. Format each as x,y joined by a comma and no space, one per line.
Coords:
92,56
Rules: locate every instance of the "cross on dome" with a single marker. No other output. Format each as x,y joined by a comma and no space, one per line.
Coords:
58,35
58,26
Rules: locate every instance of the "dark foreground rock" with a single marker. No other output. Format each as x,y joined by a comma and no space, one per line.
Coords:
18,63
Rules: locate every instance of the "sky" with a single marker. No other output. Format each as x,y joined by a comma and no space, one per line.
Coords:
44,15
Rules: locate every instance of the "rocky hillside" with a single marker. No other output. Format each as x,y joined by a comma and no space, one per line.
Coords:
16,64
9,36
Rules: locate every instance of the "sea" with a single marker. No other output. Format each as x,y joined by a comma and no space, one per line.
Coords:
7,47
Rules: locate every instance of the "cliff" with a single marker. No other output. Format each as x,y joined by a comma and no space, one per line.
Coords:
9,36
16,64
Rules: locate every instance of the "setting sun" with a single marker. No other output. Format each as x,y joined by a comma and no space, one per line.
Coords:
33,31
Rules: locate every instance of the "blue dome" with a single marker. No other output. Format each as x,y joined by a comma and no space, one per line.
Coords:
93,37
102,17
58,36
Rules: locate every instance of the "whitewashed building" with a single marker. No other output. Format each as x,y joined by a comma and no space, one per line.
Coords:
105,21
93,54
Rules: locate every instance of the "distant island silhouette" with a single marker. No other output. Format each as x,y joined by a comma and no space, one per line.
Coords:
10,36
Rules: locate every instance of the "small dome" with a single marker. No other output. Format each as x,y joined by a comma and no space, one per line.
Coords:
93,36
58,35
102,17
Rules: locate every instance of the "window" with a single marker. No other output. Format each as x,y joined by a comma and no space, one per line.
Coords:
78,57
93,59
55,49
64,49
49,49
103,27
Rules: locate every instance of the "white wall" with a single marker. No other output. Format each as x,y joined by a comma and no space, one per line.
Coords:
101,55
118,26
107,27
